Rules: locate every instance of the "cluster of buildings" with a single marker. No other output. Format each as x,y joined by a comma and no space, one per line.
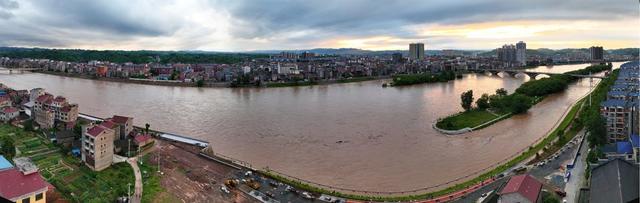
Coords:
513,56
21,183
49,111
621,111
100,141
10,101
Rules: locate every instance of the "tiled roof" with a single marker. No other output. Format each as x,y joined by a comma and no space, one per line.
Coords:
95,130
14,184
60,99
614,181
120,119
43,98
524,184
142,138
10,110
108,124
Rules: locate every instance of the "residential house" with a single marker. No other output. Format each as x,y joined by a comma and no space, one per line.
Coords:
521,189
97,146
125,126
9,113
614,181
21,186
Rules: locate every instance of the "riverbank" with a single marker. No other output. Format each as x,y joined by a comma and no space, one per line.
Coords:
213,84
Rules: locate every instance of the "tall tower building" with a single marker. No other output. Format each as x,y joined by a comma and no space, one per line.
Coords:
416,51
597,53
521,53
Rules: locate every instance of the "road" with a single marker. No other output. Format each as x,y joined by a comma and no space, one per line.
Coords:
577,174
137,196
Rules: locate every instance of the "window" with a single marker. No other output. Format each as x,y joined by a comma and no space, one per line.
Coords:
26,200
39,196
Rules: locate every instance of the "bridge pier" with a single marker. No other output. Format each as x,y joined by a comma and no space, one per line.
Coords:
532,76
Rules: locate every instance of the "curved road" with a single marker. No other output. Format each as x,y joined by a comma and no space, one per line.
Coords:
137,196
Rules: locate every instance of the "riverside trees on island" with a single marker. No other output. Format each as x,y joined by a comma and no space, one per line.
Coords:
411,79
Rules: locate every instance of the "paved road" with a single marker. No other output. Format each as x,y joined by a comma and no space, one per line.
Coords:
576,181
473,196
138,185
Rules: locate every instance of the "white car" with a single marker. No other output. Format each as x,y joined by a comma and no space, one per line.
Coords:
225,189
307,195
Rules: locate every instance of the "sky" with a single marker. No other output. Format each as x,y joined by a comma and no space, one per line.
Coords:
247,25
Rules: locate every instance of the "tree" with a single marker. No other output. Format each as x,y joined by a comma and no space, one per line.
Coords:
7,147
501,92
518,103
483,101
146,127
466,100
597,132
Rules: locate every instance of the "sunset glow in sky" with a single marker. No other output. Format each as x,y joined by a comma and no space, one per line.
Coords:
237,25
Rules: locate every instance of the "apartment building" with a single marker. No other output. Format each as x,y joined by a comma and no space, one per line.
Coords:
622,105
97,146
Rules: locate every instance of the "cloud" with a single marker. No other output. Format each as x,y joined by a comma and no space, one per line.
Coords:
5,8
235,25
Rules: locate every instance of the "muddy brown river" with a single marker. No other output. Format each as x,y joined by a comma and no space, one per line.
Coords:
356,135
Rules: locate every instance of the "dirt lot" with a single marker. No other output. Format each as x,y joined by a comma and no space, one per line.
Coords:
191,178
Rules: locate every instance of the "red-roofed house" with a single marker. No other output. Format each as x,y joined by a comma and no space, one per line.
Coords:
523,189
142,140
97,146
126,126
21,188
8,113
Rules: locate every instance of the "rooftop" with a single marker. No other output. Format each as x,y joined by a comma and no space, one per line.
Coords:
95,130
120,119
15,184
524,184
614,181
25,165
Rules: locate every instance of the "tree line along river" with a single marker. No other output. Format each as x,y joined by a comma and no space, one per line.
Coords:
354,135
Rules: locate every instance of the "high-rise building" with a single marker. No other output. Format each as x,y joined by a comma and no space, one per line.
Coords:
597,53
416,51
521,55
507,53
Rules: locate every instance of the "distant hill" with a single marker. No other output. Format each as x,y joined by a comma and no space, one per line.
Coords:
117,56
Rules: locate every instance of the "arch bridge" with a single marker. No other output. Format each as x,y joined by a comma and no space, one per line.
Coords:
534,74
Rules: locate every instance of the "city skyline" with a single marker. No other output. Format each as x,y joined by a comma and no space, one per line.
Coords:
248,26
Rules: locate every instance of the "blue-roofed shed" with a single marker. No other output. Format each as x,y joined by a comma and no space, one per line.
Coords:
635,140
624,148
4,163
613,103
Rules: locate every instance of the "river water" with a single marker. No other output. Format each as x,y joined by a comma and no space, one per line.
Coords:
356,135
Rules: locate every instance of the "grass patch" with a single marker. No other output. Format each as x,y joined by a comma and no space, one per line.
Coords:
151,187
467,119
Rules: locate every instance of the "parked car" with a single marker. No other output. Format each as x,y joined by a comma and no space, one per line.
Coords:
225,189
